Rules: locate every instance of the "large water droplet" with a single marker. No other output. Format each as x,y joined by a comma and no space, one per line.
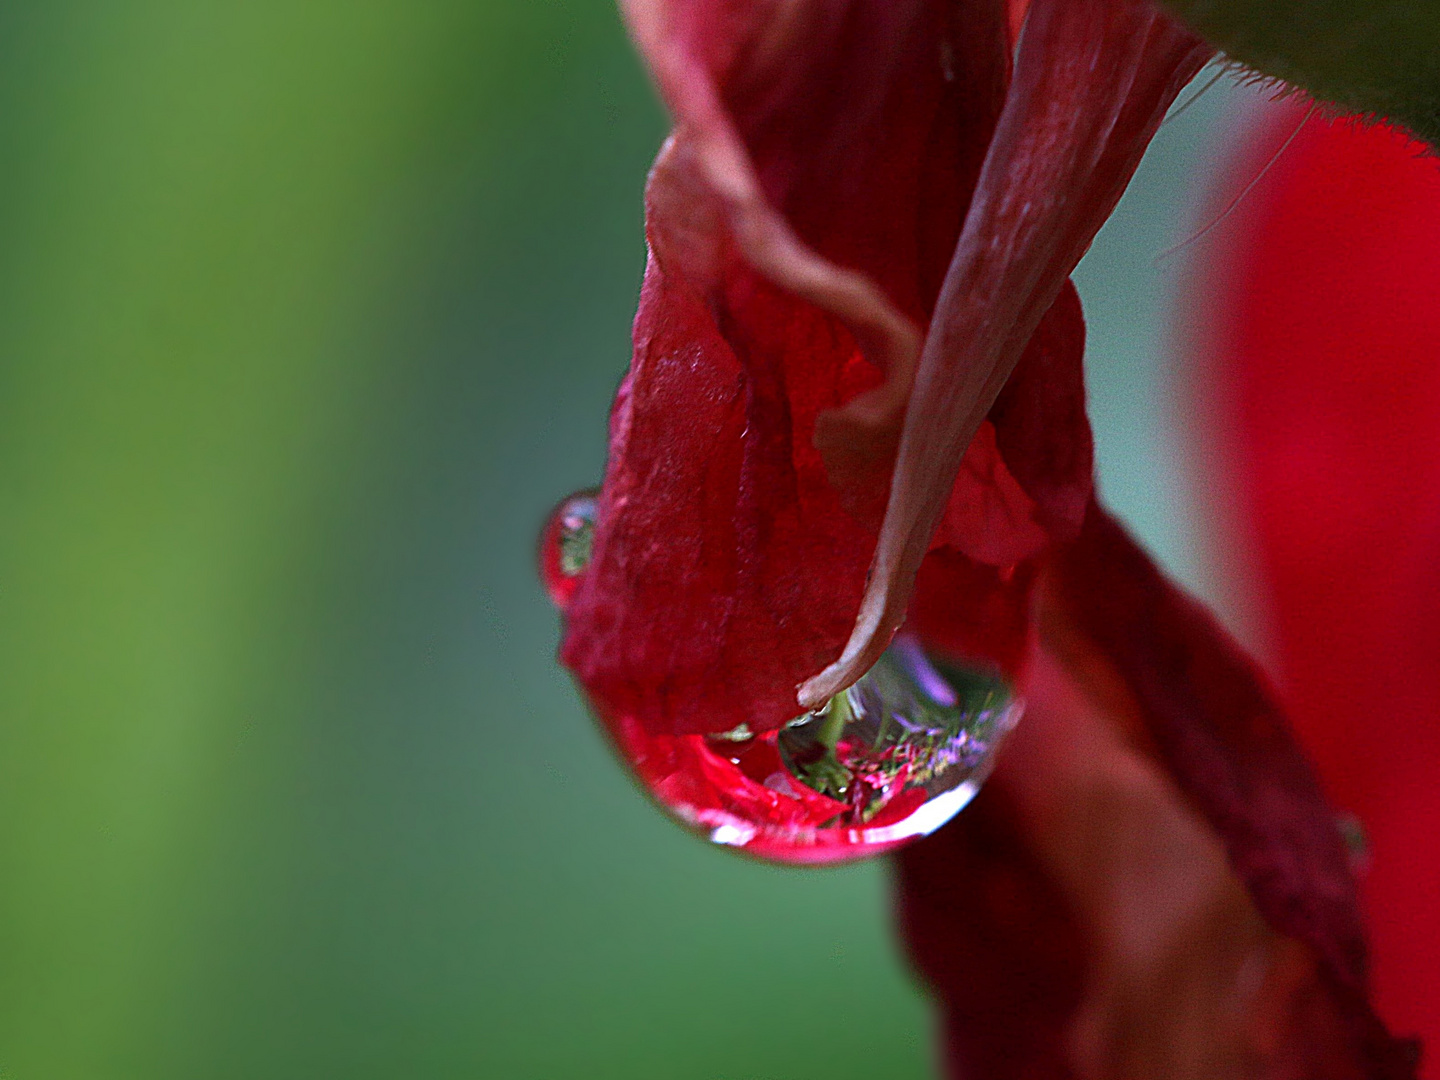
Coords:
565,546
892,758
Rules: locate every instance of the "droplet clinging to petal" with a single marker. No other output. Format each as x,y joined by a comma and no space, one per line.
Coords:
888,759
565,545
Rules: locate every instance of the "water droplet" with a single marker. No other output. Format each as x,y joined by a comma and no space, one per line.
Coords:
892,758
1356,841
565,545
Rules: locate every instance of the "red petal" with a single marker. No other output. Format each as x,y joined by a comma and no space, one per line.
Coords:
801,216
989,516
1325,295
1226,744
1092,81
964,609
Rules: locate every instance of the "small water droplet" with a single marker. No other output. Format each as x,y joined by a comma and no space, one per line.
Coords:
1356,841
565,545
892,758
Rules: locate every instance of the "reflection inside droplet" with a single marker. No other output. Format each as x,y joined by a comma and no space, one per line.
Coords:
892,758
565,546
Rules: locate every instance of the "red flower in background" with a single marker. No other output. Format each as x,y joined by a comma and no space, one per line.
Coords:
856,402
1321,370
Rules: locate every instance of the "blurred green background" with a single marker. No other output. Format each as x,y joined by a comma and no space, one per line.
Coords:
308,313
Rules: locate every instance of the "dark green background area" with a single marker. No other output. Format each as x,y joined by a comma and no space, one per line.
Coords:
308,313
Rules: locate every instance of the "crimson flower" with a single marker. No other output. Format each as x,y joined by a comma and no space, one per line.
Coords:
1322,304
856,410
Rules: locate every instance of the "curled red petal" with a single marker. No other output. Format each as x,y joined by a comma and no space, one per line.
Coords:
800,221
1225,743
1026,477
1028,473
831,144
1092,81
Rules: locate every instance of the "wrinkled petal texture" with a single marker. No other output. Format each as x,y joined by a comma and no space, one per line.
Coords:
1324,296
801,219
